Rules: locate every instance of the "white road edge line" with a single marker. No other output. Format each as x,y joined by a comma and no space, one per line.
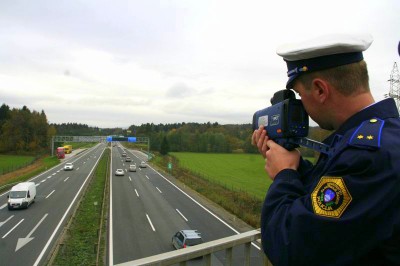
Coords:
65,214
110,230
182,215
204,208
12,228
148,218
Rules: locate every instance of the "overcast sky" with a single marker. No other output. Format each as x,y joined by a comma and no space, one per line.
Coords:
118,63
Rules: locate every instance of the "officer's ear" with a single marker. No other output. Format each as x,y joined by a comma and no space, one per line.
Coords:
320,90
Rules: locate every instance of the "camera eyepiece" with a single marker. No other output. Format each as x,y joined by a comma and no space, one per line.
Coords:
282,95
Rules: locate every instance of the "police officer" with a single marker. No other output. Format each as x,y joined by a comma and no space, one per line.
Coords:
345,209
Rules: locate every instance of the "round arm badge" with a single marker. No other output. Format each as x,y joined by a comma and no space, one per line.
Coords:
330,197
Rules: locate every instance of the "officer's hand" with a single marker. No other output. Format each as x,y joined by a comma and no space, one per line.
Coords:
260,139
278,158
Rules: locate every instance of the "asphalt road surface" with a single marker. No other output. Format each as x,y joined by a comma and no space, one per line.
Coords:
27,235
147,210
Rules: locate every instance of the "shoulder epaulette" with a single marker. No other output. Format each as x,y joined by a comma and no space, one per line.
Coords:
368,134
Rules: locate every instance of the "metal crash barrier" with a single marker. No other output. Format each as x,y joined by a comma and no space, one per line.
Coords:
206,250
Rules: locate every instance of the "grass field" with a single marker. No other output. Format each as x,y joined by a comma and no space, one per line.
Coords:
9,163
241,172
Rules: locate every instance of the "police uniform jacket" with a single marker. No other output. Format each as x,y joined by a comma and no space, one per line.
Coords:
345,209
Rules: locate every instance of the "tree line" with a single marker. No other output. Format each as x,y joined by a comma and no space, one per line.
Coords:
23,130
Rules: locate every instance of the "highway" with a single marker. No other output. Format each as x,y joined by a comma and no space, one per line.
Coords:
147,210
27,235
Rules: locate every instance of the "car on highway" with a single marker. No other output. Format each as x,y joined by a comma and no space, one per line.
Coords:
68,166
186,238
132,168
119,172
123,154
128,159
143,164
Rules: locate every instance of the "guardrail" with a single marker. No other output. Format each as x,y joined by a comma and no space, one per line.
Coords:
206,250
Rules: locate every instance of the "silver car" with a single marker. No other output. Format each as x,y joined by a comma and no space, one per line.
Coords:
186,238
119,172
68,166
132,168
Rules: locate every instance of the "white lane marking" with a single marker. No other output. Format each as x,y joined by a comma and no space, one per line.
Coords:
204,208
137,194
77,169
65,215
158,189
49,177
181,215
110,231
152,227
50,194
54,174
3,206
12,228
130,179
9,218
66,179
43,181
147,177
23,241
38,184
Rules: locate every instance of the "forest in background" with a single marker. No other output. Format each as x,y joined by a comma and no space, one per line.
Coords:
26,131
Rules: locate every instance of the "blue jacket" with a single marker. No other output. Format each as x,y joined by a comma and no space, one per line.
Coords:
345,209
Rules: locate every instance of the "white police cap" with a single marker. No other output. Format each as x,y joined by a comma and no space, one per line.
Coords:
322,53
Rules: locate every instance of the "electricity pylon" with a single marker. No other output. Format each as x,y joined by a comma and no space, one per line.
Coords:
395,85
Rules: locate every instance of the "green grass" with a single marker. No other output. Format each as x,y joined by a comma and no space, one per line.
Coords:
9,163
238,172
81,243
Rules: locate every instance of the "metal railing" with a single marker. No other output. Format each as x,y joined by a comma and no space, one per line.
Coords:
206,250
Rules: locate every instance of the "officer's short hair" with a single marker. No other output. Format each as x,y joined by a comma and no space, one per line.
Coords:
347,79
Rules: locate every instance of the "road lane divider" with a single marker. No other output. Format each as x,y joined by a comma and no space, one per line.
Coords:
23,241
184,218
9,218
50,194
158,190
15,226
137,194
147,177
66,179
151,224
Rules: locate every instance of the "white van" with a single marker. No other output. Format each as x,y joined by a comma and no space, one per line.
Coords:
21,195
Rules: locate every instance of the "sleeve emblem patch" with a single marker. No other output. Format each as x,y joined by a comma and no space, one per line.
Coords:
330,197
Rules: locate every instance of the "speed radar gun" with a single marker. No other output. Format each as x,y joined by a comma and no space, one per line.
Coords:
286,122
